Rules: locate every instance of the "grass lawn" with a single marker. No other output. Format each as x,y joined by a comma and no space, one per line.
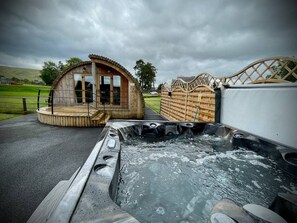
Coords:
11,101
153,102
8,116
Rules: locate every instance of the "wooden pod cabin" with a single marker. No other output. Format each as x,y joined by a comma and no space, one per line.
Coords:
92,92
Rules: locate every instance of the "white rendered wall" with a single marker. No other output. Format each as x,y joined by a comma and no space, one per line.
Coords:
268,111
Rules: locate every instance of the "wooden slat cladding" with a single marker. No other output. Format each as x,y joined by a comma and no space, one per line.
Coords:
185,98
181,105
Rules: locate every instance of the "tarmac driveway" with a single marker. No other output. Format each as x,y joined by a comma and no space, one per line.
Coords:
33,158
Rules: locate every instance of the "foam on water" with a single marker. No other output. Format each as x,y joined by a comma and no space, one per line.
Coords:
180,180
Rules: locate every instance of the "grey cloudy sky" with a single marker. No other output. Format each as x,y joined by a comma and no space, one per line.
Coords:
179,37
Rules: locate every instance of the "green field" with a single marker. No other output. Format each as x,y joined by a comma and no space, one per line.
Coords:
153,102
20,73
8,116
11,98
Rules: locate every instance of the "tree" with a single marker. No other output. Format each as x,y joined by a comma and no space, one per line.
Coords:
14,79
61,67
49,72
159,87
72,61
138,68
146,74
26,81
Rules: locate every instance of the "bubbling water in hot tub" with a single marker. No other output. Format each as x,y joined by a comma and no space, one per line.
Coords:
180,180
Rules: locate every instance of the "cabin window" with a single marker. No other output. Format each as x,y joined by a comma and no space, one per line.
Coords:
89,80
83,88
105,90
116,90
109,86
78,87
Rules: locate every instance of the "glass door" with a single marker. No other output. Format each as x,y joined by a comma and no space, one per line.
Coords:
105,90
116,90
78,87
83,87
88,83
110,90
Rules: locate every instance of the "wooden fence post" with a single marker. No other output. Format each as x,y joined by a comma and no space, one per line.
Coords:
24,105
38,98
52,101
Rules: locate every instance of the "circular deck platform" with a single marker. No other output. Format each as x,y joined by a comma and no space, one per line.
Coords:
74,116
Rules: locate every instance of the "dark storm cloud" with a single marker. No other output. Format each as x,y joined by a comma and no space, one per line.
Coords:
178,37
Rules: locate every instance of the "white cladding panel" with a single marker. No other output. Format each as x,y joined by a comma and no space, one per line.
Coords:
269,112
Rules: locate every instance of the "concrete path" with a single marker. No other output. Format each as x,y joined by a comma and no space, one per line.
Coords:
151,115
34,158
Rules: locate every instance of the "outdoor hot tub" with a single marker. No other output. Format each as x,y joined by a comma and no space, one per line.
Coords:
159,171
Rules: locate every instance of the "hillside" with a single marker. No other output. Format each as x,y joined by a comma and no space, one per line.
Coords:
20,73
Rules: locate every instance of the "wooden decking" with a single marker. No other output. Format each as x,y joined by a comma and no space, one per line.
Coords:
78,116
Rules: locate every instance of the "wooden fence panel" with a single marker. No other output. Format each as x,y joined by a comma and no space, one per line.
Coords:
180,105
195,100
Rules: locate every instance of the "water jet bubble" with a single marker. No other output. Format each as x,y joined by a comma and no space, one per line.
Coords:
160,210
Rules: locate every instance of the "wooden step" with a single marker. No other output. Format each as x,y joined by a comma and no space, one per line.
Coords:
96,114
97,117
104,119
